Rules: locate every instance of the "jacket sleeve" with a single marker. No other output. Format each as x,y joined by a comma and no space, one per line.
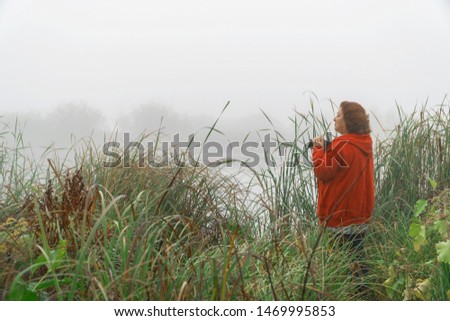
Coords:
328,163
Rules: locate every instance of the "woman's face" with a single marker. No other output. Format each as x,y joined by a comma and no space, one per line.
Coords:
339,123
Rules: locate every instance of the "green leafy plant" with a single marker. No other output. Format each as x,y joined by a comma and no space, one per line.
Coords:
443,251
428,232
432,227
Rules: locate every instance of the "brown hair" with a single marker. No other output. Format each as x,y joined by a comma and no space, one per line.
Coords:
355,117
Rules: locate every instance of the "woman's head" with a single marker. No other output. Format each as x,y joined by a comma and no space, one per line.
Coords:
351,119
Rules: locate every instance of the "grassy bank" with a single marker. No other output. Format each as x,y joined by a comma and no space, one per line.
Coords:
193,233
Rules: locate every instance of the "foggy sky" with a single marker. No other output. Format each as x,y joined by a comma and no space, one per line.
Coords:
82,67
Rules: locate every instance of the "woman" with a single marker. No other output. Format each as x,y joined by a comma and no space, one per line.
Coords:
345,178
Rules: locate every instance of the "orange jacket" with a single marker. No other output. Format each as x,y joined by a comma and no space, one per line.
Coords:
345,180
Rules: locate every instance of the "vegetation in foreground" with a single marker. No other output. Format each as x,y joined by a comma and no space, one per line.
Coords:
191,233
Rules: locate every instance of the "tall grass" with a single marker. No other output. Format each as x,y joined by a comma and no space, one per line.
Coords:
193,233
417,150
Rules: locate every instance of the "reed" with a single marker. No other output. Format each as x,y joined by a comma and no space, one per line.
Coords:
86,232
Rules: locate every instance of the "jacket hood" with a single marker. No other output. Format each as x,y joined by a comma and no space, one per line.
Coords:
361,141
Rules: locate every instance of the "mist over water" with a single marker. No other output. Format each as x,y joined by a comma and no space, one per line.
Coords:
72,124
67,128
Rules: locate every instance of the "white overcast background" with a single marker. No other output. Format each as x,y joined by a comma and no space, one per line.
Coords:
86,65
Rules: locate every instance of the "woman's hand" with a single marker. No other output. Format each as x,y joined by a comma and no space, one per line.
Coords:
318,141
